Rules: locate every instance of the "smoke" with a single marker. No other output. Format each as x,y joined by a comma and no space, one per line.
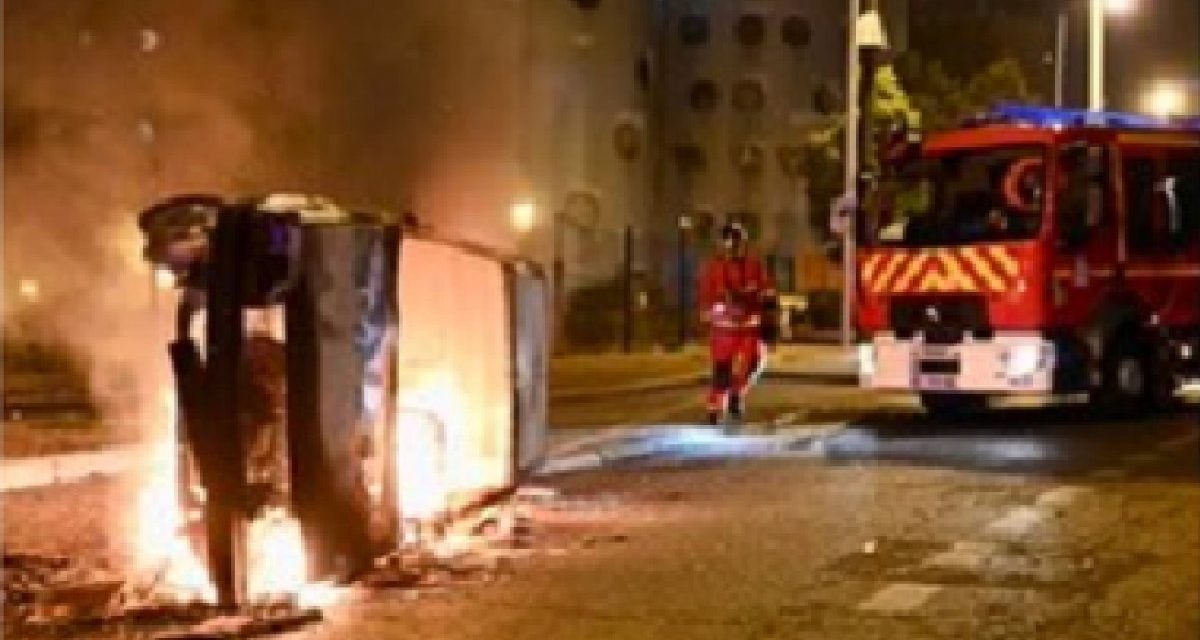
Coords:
112,104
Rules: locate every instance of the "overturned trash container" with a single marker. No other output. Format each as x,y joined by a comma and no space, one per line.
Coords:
342,385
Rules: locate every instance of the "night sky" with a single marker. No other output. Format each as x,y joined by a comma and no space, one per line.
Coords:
1159,41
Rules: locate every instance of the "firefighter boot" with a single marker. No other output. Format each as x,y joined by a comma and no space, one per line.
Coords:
735,407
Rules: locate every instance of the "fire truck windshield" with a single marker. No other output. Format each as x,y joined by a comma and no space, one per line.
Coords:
961,197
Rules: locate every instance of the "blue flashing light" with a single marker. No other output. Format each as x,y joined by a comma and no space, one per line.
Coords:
1062,118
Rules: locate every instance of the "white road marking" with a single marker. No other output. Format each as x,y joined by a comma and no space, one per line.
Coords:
899,597
1017,522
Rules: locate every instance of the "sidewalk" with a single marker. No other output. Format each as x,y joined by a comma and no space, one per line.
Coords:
579,377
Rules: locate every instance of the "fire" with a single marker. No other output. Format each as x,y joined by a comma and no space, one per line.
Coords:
426,412
276,567
162,547
275,559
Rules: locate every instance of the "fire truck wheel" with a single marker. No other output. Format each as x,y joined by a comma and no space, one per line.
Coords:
1130,378
952,406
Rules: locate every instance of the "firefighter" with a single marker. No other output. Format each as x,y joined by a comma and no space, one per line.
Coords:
736,298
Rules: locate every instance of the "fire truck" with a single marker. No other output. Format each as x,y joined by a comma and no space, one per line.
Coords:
1034,251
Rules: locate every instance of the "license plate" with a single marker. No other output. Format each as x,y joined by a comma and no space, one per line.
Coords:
936,352
930,381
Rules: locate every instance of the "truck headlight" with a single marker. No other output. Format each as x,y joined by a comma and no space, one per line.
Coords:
866,359
1023,360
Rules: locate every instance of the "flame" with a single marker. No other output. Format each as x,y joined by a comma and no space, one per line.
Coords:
161,545
320,595
426,410
275,560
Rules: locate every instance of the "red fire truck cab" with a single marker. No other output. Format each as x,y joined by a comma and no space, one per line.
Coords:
1035,251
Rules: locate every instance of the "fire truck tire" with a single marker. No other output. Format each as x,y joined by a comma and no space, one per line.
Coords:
1132,381
952,406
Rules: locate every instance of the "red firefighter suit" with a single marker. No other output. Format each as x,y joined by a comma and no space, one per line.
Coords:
731,296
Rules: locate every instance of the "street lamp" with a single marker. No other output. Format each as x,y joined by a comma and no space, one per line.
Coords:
685,226
1120,7
29,289
522,215
1097,10
1164,100
867,37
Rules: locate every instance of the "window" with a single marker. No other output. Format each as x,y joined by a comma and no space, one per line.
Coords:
1081,194
1141,224
690,158
1183,187
693,30
826,99
703,96
749,95
750,30
796,32
748,158
975,195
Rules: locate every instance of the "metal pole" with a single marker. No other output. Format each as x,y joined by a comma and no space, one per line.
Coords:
850,178
683,282
1062,32
627,293
1096,55
558,277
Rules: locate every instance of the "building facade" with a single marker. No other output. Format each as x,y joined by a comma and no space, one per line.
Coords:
656,113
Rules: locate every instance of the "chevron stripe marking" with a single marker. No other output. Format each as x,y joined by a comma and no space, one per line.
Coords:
1007,263
983,270
870,266
888,271
915,264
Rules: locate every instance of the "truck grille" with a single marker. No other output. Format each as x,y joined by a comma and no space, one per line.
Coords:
941,320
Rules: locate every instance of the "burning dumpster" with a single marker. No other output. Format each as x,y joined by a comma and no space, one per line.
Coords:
343,386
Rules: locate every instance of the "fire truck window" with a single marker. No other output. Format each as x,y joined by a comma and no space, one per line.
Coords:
1141,226
979,195
1183,168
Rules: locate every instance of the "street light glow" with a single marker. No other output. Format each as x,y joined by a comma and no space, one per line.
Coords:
1120,7
523,215
29,289
1165,100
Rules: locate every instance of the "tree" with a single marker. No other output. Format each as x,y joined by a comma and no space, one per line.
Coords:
945,100
824,144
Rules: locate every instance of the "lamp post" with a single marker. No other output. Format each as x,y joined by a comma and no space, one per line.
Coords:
1097,11
685,227
867,38
1096,55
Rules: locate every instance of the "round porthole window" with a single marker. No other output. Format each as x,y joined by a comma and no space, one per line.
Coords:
750,30
749,95
796,32
693,30
703,96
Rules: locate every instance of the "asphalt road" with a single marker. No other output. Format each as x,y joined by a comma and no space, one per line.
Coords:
1030,523
874,523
